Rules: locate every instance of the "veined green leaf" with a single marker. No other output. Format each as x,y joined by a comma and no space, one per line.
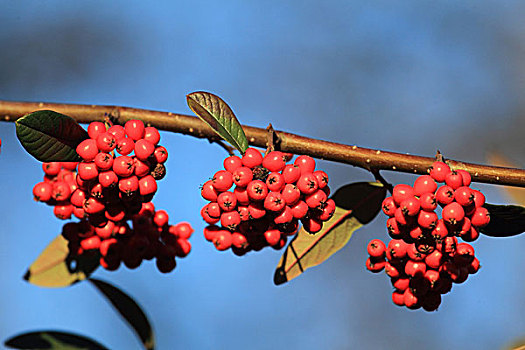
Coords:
219,116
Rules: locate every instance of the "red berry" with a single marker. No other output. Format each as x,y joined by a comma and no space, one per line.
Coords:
208,192
397,249
410,206
328,210
440,231
410,300
307,183
147,185
464,196
63,211
376,248
402,192
474,266
398,298
125,146
222,180
453,213
299,209
257,190
242,196
306,164
393,228
424,184
123,166
375,266
316,200
87,149
42,191
479,198
400,283
465,175
117,131
392,270
134,129
464,254
274,162
160,154
434,260
222,240
284,217
291,173
232,163
93,206
161,218
90,243
445,195
108,178
105,231
104,161
272,236
428,201
415,268
480,218
312,225
142,167
439,171
144,149
51,168
274,202
322,178
389,206
152,135
242,176
239,240
227,201
87,171
230,220
183,230
95,129
275,182
256,210
252,158
291,194
454,180
128,185
106,142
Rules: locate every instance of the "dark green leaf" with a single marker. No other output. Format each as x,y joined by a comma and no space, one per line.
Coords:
307,250
56,267
129,310
219,116
53,340
50,136
505,220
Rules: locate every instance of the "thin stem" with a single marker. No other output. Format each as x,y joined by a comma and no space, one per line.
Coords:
365,158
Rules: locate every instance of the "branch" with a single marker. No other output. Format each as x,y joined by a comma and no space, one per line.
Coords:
366,158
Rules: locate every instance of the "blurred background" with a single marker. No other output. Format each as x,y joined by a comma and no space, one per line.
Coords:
411,77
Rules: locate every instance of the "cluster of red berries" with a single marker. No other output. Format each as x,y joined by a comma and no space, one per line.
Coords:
150,237
269,199
424,258
114,183
106,186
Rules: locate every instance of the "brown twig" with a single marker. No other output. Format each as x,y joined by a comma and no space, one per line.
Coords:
362,157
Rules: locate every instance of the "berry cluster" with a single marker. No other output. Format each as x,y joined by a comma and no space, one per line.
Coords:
114,183
269,199
424,258
110,184
150,237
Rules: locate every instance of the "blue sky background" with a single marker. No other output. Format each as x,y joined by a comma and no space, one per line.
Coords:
410,77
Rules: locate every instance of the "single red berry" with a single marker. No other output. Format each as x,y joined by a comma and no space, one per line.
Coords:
95,129
428,201
440,231
275,182
143,149
222,180
464,254
312,225
328,210
375,266
389,206
210,232
152,135
274,161
239,240
134,129
87,171
307,183
244,212
471,235
242,176
439,171
479,198
108,178
242,196
414,254
109,246
42,191
432,276
87,150
161,154
232,163
161,218
93,206
316,200
474,266
252,158
306,164
415,268
392,270
208,192
106,231
147,185
480,218
376,248
90,243
400,283
403,219
445,195
393,228
291,194
51,168
257,190
106,142
183,230
125,146
464,196
226,201
402,192
123,166
222,240
128,185
322,178
410,206
453,213
416,233
104,161
398,298
274,202
63,210
272,236
299,209
117,131
410,300
396,249
461,228
291,173
230,220
424,184
142,167
454,180
284,217
96,191
256,210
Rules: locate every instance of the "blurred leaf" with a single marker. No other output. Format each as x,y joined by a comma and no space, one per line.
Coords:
53,340
56,267
50,136
307,250
219,116
517,194
505,220
129,310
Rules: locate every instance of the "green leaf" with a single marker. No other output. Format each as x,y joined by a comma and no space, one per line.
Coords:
50,136
56,267
218,115
129,310
52,340
307,250
505,220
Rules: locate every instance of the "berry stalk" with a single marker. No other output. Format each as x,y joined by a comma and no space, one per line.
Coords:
369,159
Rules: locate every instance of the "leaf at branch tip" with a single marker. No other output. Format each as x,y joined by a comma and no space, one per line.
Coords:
218,115
505,220
52,340
50,136
129,310
517,194
307,250
56,267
